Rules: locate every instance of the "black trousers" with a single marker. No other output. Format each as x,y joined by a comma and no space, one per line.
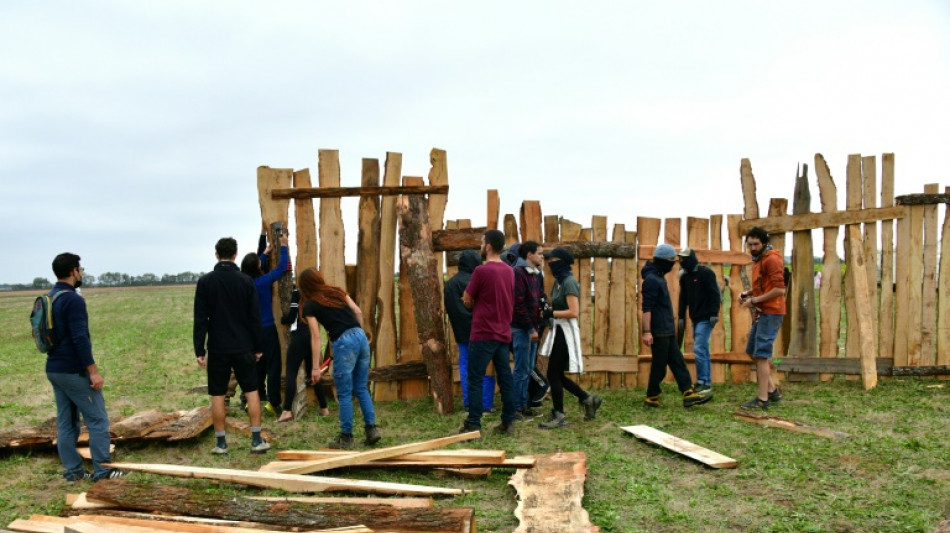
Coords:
666,353
299,352
268,368
557,365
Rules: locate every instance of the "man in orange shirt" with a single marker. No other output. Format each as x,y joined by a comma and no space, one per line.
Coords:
767,300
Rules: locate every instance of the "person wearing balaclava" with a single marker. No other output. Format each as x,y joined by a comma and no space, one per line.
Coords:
699,293
659,329
562,344
460,317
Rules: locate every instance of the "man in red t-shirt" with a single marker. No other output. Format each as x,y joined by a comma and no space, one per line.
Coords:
490,296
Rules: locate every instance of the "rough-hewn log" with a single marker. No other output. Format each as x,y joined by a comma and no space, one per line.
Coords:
922,199
342,192
188,426
400,371
942,370
839,365
183,501
791,425
781,224
415,237
140,424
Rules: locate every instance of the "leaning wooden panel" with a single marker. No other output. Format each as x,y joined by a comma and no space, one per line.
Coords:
803,336
601,308
367,255
739,317
829,292
385,348
915,297
541,509
928,317
886,311
586,308
943,294
681,446
648,232
867,343
617,309
853,202
869,191
409,350
332,239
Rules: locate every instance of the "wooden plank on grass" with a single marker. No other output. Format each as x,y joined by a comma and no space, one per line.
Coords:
886,310
279,480
385,348
408,503
468,456
542,509
139,424
763,419
829,292
181,526
409,349
86,453
382,453
928,316
276,466
681,446
867,342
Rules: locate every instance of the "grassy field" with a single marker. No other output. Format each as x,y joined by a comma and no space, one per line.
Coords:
892,475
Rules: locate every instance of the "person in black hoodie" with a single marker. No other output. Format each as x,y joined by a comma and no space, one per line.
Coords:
699,292
659,329
461,319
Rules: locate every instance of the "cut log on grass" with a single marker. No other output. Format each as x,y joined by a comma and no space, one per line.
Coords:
414,503
681,446
550,496
287,482
188,426
140,424
86,454
183,501
515,463
154,524
81,501
778,422
372,455
459,455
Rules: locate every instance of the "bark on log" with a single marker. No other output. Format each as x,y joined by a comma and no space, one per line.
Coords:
415,238
922,199
397,372
341,192
188,426
183,501
139,424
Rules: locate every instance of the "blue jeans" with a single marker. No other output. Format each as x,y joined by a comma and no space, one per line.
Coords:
525,351
488,382
480,353
701,332
762,336
74,397
351,377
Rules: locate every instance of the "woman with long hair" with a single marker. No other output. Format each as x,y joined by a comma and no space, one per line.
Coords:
330,307
298,352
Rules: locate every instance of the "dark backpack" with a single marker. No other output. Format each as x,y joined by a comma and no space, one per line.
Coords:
41,320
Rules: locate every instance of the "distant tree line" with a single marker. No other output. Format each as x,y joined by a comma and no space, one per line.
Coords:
113,279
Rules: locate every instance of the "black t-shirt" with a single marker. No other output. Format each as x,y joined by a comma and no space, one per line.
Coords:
335,320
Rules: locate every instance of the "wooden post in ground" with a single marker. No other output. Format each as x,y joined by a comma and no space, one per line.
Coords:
697,236
552,233
601,307
511,230
632,323
902,267
438,175
858,273
803,338
779,207
531,221
869,192
853,201
571,230
385,348
306,258
943,294
885,322
829,292
367,259
493,203
648,232
717,340
928,317
420,273
408,331
332,240
617,308
586,309
739,317
750,211
274,212
915,296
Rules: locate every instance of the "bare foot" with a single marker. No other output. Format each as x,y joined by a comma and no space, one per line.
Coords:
286,416
324,412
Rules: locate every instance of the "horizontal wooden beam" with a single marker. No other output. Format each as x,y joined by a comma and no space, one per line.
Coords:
828,365
920,370
717,257
718,357
831,219
456,240
922,199
304,193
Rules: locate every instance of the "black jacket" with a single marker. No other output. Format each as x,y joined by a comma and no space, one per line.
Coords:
656,300
699,290
226,312
459,315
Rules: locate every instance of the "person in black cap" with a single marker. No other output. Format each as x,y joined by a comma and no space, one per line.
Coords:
562,345
700,294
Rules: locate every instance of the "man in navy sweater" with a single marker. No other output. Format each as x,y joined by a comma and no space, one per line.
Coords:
77,383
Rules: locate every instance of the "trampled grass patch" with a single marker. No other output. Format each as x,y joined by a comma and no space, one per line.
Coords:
893,474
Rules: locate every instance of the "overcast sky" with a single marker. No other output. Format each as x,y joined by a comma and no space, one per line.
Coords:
130,132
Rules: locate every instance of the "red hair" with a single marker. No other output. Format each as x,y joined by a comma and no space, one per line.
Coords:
314,288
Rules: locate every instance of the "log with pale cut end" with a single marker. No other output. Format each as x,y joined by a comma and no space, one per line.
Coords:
188,426
550,496
791,425
140,424
183,501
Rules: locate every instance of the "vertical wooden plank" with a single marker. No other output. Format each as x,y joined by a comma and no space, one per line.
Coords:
779,207
632,337
552,234
438,175
869,191
928,317
571,231
616,308
853,201
717,341
531,221
915,297
862,296
648,232
586,312
803,334
367,255
886,315
748,190
672,235
750,211
386,348
902,268
511,230
829,292
331,221
409,349
697,237
943,295
493,203
306,241
739,317
274,211
452,347
601,307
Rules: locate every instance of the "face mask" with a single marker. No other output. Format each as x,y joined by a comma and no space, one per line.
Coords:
560,269
689,263
663,265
